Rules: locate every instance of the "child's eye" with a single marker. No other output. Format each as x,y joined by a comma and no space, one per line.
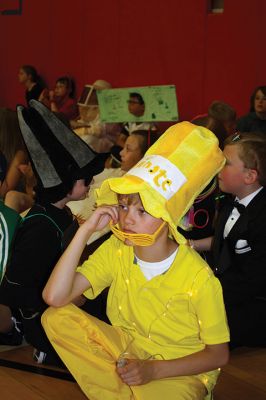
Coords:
122,207
142,211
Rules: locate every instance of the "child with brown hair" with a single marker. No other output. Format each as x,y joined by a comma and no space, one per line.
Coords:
255,120
223,113
239,242
169,332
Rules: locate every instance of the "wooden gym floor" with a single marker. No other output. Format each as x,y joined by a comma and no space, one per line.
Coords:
244,378
22,379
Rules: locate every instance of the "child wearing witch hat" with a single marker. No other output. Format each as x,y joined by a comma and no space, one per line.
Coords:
169,332
64,167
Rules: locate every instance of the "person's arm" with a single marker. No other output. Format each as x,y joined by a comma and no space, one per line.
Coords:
201,244
77,123
44,98
13,174
65,284
53,105
139,372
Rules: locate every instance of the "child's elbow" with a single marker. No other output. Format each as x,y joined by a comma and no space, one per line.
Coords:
224,356
219,355
51,298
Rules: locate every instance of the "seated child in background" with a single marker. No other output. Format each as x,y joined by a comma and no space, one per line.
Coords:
221,113
224,113
135,147
238,246
63,166
169,328
33,82
61,99
255,120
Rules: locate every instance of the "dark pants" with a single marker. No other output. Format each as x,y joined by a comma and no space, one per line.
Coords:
36,336
247,323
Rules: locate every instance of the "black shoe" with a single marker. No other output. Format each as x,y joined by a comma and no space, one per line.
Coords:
12,338
47,358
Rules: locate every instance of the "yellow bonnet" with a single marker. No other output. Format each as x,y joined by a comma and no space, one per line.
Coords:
173,172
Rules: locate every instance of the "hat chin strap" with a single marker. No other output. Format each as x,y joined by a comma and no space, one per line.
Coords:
138,239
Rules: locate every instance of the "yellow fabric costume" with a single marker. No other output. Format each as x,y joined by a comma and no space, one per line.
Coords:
172,315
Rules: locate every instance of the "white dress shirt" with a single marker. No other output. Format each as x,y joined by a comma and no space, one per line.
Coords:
233,217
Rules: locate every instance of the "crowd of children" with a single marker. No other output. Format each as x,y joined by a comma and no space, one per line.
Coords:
167,199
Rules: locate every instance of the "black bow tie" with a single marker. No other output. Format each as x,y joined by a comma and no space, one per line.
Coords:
235,204
240,207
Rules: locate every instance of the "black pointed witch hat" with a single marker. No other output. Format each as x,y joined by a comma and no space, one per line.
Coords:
58,156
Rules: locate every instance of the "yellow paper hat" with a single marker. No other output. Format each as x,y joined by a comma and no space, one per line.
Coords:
173,172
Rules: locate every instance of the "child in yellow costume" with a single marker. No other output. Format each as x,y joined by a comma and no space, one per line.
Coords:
169,333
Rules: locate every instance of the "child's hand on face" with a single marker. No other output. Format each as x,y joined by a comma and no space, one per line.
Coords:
137,372
24,168
101,217
51,95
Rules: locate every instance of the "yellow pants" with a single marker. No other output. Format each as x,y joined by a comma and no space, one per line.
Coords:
90,348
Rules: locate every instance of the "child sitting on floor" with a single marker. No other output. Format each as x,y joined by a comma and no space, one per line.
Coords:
169,332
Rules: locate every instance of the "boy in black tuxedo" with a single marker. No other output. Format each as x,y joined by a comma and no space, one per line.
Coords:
239,243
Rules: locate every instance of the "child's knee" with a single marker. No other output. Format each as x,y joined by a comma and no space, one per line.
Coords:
51,320
54,317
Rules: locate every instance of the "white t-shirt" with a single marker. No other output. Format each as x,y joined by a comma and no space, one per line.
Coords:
151,269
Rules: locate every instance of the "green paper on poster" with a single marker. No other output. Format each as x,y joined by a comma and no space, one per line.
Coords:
160,104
